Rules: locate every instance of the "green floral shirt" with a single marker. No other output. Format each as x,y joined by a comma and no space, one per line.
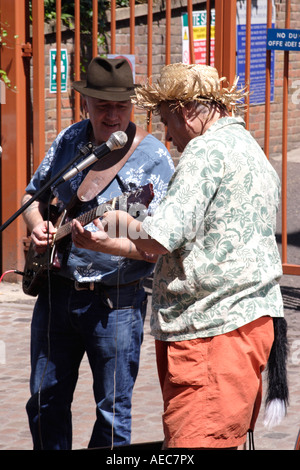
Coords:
217,221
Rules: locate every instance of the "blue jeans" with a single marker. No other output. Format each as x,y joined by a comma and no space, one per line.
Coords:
107,326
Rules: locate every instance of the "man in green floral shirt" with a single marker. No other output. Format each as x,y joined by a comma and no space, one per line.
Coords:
215,290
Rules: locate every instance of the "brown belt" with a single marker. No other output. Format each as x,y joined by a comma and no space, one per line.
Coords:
99,286
93,286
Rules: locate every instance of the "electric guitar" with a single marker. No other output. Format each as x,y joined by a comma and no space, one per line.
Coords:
37,265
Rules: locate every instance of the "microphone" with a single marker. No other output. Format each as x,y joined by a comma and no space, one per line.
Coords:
116,141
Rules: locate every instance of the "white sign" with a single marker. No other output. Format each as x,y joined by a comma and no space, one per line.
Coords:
129,57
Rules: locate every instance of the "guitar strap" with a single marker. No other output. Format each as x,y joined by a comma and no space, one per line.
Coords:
105,170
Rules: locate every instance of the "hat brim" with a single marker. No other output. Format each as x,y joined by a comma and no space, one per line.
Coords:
111,94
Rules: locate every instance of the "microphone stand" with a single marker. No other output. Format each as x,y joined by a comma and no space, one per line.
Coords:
85,151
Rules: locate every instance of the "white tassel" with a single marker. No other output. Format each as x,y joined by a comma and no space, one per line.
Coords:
274,413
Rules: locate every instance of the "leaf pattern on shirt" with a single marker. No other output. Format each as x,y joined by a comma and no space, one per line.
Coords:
218,223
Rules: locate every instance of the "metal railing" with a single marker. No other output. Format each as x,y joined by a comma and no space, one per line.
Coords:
225,62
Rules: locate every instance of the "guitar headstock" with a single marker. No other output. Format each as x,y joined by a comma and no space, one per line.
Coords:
139,200
134,202
142,195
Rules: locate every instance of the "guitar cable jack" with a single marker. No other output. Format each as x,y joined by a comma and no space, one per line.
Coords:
14,271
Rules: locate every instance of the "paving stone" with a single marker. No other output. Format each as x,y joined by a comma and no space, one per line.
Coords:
15,316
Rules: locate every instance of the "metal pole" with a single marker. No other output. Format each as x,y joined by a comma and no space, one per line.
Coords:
149,48
208,32
113,26
58,66
77,57
268,86
284,139
13,133
191,33
247,59
38,115
95,29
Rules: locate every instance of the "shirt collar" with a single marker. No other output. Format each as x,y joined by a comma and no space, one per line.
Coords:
226,121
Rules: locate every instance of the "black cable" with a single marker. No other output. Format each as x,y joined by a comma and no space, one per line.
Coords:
48,327
251,440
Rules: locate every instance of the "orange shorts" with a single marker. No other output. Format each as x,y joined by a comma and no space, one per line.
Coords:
212,387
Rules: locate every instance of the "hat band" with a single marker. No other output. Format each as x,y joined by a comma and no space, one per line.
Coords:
109,89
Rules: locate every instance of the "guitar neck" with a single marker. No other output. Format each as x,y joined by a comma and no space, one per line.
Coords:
84,219
143,195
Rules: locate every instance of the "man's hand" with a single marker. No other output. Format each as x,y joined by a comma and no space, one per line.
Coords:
101,240
41,235
96,241
118,223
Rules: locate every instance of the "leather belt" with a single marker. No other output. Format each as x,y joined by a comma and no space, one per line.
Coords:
93,286
99,286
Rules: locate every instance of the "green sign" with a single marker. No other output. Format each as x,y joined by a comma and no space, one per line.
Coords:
53,70
199,18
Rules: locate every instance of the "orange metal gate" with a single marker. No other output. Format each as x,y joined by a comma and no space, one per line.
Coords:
23,132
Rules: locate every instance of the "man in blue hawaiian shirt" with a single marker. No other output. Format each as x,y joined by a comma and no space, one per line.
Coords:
95,302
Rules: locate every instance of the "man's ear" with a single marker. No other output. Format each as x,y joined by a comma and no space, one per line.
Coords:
189,115
185,113
84,105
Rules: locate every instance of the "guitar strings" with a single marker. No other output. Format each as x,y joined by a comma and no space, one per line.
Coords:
48,328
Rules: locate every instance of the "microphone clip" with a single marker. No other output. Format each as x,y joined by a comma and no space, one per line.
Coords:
86,150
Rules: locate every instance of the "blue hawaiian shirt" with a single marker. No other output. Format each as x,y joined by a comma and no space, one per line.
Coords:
149,163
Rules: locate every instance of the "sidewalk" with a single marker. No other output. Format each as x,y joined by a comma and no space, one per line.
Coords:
15,316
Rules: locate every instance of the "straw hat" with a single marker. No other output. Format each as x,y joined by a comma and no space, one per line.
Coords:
181,83
107,79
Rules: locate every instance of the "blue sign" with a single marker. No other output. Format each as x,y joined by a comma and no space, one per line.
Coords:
283,39
258,53
257,63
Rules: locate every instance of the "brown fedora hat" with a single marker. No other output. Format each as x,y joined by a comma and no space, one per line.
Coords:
107,79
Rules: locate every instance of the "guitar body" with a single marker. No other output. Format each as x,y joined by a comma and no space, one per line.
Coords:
36,270
37,266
